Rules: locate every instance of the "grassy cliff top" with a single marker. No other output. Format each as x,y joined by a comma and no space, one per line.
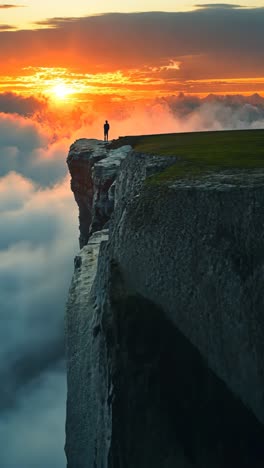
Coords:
202,152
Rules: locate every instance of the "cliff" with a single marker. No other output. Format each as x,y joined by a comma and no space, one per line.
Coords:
164,320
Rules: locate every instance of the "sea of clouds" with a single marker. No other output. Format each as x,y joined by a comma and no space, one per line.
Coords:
38,240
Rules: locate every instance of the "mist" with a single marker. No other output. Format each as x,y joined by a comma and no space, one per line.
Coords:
38,240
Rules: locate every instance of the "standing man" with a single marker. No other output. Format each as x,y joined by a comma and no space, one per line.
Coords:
106,130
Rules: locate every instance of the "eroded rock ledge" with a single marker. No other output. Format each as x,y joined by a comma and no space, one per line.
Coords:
93,169
165,316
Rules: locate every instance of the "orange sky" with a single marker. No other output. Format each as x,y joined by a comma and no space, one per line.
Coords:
62,84
127,57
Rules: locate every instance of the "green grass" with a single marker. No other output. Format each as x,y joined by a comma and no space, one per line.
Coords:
203,152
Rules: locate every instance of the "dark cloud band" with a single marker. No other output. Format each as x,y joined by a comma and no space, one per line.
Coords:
209,43
6,6
6,27
222,6
15,104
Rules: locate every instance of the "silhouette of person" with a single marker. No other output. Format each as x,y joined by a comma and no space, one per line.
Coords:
106,130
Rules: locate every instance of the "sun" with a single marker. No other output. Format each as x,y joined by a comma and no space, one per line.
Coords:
61,91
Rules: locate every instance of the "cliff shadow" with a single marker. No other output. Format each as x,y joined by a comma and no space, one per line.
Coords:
169,409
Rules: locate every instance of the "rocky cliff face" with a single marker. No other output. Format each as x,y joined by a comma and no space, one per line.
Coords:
93,169
164,321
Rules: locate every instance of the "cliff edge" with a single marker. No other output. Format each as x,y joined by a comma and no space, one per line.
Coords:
164,320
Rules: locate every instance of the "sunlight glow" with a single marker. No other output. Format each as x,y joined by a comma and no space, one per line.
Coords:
61,91
65,87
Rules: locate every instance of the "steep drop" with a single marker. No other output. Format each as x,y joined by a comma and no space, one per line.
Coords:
164,322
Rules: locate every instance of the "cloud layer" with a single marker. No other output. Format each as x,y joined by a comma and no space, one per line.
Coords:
26,147
181,113
208,42
32,433
17,104
7,6
217,112
38,239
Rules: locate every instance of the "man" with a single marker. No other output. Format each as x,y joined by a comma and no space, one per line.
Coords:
106,130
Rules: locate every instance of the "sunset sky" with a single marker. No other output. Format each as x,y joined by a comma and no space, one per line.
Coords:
79,53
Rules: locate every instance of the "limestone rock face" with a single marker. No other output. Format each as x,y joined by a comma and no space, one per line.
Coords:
196,249
164,321
88,424
93,168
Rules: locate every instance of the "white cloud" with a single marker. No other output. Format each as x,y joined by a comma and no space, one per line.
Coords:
31,433
27,148
38,239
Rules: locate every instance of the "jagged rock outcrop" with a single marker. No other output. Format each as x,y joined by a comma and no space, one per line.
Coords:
164,321
93,170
